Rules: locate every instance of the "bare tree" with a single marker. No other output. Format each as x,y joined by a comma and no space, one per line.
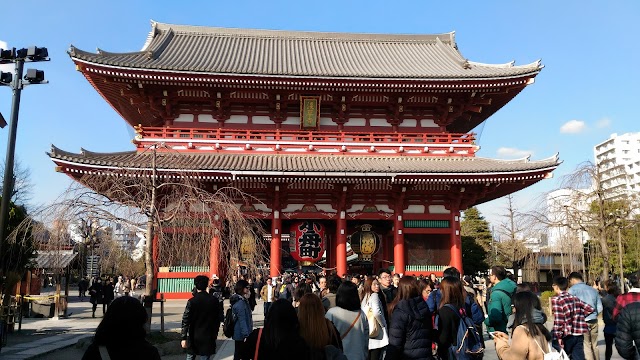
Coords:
513,231
22,187
180,213
587,205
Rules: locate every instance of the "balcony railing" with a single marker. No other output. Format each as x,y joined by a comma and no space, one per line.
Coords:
296,141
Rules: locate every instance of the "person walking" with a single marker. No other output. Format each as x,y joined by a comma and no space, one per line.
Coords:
242,313
351,322
608,305
371,304
569,325
589,295
627,315
499,305
268,295
96,296
410,329
107,294
530,338
200,322
448,320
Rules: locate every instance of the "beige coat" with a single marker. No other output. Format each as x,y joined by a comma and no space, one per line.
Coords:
522,346
265,291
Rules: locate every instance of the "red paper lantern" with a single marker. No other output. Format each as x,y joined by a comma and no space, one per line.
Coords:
307,240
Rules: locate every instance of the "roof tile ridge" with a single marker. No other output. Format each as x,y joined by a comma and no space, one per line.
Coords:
300,34
57,153
511,64
452,52
85,152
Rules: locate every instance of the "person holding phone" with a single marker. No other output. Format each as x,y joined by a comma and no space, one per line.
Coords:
530,338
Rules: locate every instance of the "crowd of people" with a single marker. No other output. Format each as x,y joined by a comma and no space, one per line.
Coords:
104,291
386,316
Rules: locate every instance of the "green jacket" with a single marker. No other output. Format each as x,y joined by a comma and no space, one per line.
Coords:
499,306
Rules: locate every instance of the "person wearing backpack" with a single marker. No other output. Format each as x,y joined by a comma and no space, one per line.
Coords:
530,339
499,305
457,335
472,308
243,324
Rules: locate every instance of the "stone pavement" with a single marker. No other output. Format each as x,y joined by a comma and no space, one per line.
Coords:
48,339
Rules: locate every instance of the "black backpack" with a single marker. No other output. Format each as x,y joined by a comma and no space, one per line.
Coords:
229,323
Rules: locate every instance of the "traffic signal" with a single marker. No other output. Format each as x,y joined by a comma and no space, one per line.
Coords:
34,76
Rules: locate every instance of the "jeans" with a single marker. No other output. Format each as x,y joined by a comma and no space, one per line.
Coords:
574,346
200,357
267,306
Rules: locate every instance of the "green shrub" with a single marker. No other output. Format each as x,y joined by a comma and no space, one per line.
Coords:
544,300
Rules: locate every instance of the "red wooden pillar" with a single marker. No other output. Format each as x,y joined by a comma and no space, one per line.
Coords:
214,249
456,243
341,244
276,230
341,235
398,235
398,244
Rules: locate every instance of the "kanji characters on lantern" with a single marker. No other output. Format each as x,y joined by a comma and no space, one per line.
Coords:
307,241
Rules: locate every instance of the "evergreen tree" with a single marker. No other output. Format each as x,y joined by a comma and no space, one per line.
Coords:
17,250
475,226
473,256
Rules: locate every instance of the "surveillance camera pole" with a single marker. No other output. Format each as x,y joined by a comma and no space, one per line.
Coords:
7,184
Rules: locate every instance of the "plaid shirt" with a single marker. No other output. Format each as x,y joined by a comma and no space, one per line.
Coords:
569,314
624,300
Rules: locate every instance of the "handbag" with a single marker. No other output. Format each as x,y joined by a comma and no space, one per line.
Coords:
374,325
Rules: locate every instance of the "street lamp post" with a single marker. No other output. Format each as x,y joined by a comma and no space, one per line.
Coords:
19,57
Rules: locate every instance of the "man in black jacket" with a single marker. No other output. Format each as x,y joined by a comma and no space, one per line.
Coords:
627,315
200,321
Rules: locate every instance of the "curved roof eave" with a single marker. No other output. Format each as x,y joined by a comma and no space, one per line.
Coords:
532,72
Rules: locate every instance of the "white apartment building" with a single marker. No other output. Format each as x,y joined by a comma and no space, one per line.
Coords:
618,159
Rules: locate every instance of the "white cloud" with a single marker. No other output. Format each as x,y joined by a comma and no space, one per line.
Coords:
573,127
3,45
603,123
513,152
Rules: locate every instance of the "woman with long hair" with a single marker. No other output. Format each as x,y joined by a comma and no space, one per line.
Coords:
121,333
350,321
610,327
280,335
315,329
410,330
530,338
448,319
371,303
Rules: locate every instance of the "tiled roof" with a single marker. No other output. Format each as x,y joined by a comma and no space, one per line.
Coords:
302,164
211,50
54,259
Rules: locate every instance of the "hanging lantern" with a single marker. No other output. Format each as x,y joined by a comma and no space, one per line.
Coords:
247,246
365,242
307,241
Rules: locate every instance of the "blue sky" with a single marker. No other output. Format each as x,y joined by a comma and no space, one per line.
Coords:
583,95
